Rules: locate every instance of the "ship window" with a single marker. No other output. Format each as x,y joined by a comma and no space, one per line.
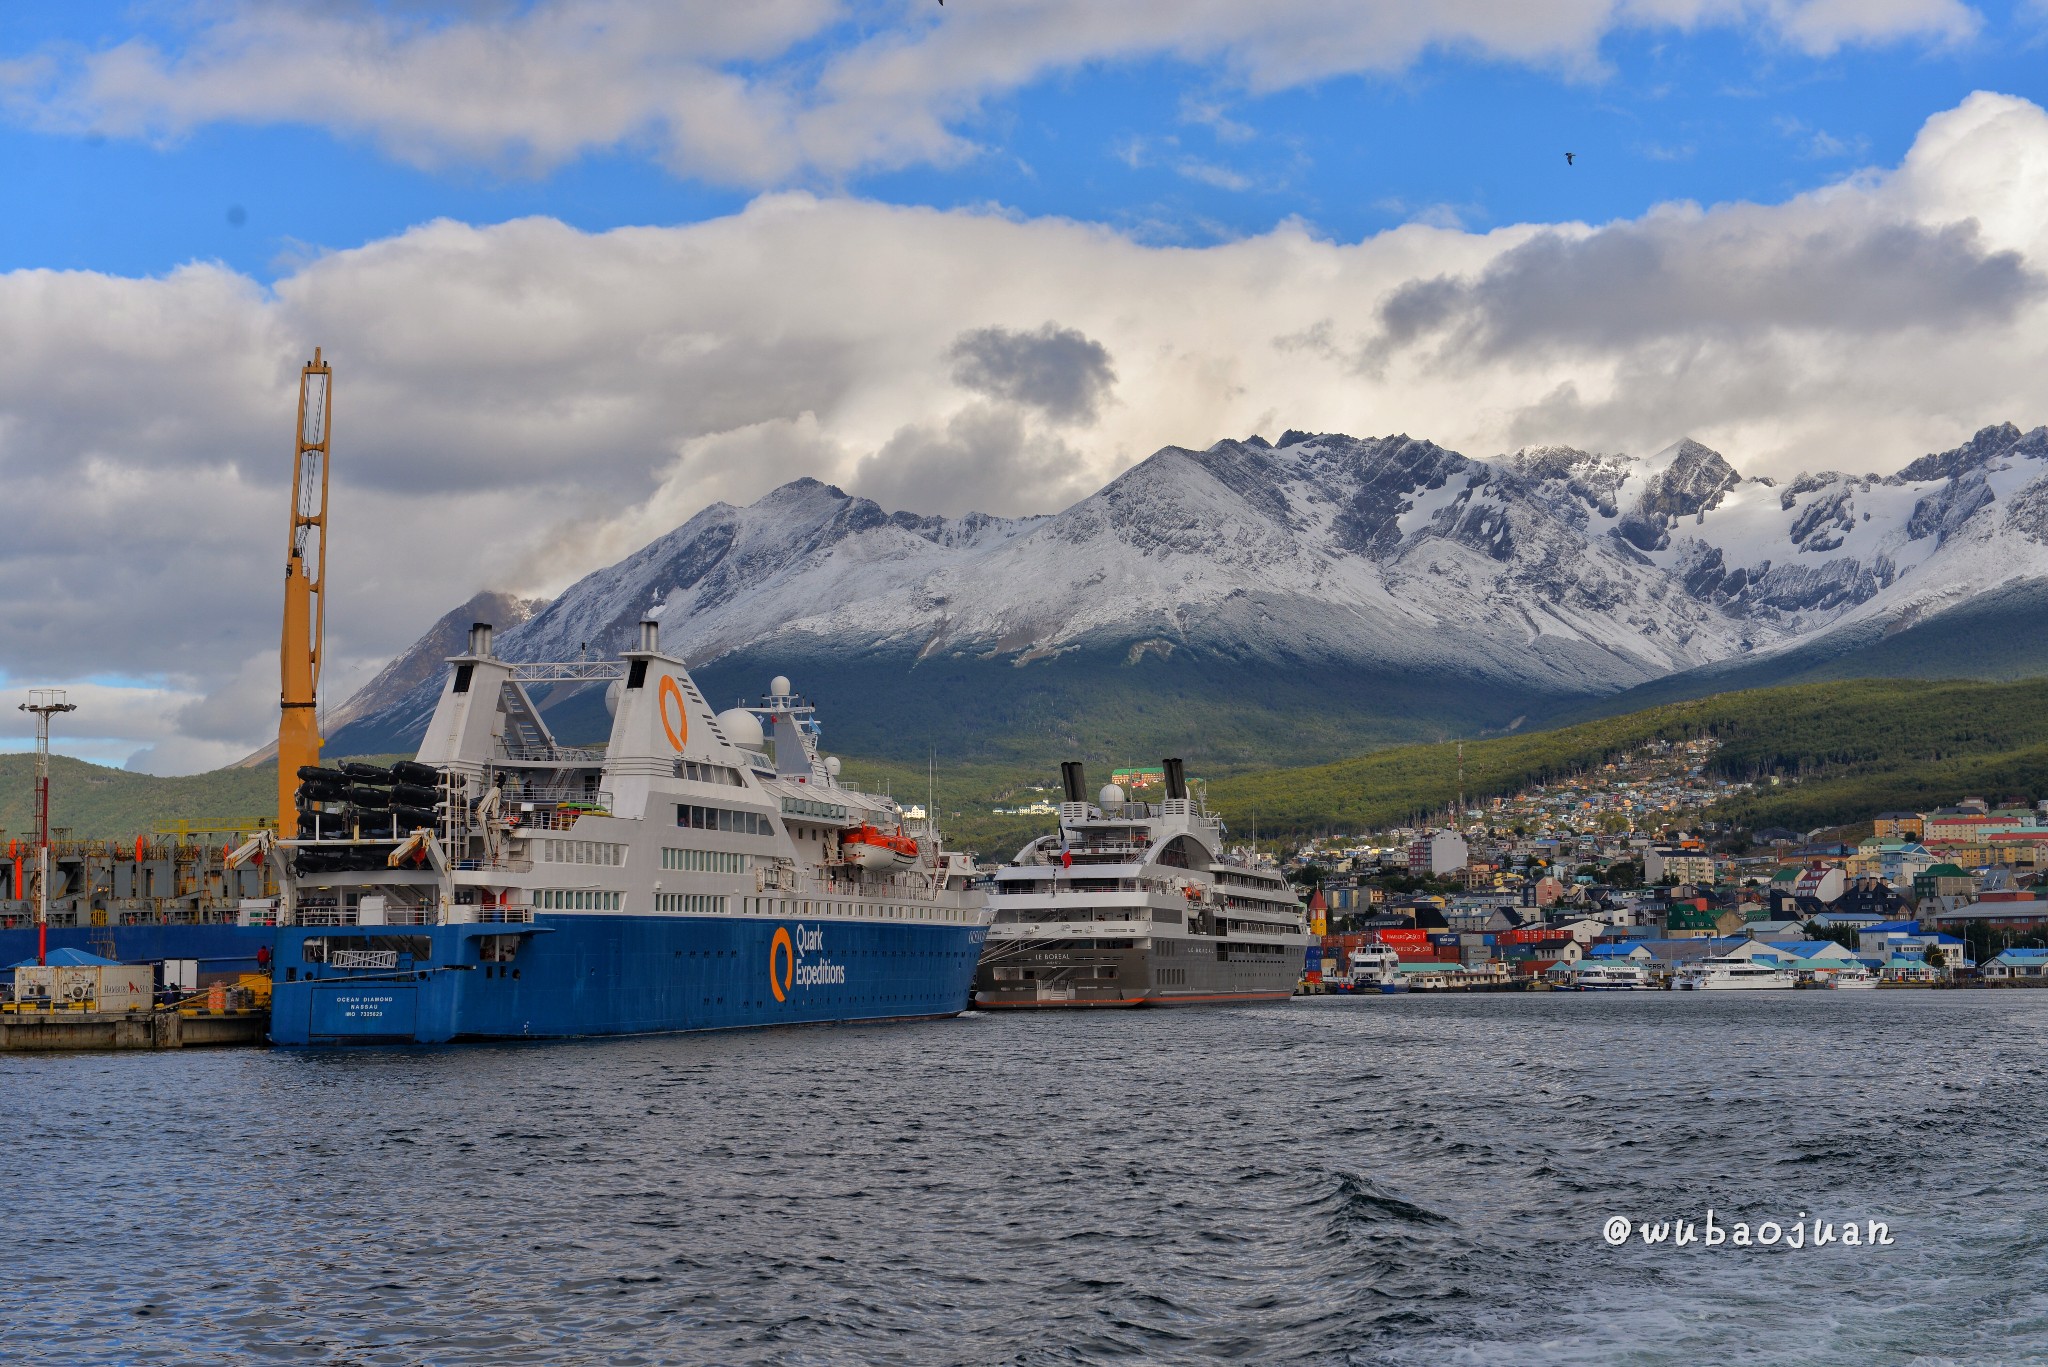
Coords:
693,817
636,675
690,903
1182,853
462,675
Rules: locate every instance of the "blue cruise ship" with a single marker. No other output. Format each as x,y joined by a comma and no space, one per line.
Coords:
698,872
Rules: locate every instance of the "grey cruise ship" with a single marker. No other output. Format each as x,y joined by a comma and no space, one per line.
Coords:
1137,904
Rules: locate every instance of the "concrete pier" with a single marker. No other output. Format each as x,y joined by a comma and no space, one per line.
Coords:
51,1031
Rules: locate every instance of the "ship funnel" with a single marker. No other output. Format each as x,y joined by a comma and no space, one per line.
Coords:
650,635
1176,779
1071,780
480,639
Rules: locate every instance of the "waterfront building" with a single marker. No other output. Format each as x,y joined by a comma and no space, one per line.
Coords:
2017,963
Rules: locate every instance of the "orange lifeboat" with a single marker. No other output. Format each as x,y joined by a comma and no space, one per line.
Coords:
874,848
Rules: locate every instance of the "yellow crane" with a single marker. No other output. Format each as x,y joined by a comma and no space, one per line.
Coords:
305,593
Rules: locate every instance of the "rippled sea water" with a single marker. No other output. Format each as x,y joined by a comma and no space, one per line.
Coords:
1353,1180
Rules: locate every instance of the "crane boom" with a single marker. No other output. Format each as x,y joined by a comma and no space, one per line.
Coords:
305,592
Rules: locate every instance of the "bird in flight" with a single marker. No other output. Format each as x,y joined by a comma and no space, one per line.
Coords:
1569,157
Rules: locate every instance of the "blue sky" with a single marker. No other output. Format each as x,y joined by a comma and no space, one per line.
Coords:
1245,215
1171,151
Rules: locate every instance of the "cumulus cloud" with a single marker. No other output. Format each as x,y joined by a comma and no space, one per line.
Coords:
1059,371
1733,273
517,404
768,94
983,456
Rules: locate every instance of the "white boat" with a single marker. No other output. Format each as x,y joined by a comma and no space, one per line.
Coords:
1853,979
1376,968
1733,974
1612,975
1138,904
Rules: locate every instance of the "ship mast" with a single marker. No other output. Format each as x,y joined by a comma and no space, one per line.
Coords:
305,592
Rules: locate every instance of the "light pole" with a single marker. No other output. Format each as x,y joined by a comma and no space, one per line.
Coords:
45,703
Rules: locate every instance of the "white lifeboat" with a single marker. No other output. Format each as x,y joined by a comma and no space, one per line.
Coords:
873,848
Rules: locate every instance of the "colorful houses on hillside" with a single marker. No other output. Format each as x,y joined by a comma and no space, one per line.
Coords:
1564,875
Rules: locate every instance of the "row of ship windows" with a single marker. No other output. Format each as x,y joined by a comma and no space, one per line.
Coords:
690,903
798,906
612,856
703,861
1025,975
709,773
716,904
578,899
694,817
582,852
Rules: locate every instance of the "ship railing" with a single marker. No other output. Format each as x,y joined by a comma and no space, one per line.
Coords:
537,793
553,754
1063,886
504,865
515,914
1109,847
362,958
904,885
569,671
552,819
350,916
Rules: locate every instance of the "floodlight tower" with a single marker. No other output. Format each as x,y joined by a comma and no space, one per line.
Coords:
44,703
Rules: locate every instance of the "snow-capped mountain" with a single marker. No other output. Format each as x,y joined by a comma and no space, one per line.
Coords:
1455,591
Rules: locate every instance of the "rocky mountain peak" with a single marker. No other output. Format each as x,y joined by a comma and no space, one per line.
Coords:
1686,480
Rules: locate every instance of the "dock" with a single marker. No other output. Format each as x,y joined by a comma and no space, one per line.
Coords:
51,1031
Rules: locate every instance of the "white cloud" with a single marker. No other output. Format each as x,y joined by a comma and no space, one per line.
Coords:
517,404
770,94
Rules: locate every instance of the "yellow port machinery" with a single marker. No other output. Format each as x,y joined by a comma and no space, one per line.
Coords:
305,590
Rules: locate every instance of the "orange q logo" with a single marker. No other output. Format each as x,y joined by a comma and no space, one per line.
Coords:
679,729
781,948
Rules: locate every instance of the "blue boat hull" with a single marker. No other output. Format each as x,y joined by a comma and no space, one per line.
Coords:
583,975
218,948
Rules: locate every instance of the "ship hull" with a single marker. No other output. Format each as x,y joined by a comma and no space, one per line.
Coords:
1092,977
220,947
582,975
991,1001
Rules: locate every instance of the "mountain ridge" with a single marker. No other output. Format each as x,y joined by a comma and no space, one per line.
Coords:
1515,586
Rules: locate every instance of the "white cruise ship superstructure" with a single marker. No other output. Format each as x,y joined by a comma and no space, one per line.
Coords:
1138,904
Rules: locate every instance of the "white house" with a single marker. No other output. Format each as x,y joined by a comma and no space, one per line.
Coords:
2017,963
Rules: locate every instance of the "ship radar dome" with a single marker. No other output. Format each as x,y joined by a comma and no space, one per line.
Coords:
742,728
832,765
778,687
611,697
1112,795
